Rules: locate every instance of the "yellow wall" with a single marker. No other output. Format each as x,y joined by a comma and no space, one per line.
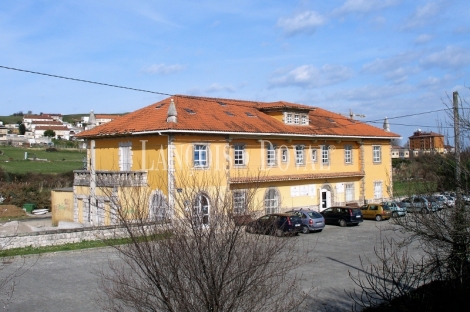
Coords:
62,206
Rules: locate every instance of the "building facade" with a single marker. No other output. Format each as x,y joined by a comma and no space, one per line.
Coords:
296,155
426,142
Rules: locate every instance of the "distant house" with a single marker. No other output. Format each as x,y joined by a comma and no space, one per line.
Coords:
48,123
399,152
3,133
426,142
60,131
28,119
54,116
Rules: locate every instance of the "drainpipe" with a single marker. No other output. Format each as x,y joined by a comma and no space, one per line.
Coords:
92,183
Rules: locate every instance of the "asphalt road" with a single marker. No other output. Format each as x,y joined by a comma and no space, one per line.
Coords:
68,281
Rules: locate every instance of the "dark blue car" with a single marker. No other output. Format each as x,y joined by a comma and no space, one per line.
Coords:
277,224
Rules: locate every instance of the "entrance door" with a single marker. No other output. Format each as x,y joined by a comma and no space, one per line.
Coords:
201,210
325,199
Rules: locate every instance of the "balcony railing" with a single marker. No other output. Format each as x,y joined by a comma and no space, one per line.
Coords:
110,178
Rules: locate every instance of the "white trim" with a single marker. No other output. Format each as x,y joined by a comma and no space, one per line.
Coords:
261,134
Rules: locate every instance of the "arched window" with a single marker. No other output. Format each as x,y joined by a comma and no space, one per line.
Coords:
158,206
271,201
201,209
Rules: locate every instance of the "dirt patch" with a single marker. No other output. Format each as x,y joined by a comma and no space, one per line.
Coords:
11,211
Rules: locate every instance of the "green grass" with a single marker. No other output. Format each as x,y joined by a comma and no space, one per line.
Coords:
71,246
61,161
412,187
11,119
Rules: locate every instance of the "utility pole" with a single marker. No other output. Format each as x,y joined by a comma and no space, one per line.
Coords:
455,101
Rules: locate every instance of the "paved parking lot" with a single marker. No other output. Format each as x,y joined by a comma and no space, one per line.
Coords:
67,281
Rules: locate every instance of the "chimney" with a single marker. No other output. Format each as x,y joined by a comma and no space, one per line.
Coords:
386,125
172,112
91,121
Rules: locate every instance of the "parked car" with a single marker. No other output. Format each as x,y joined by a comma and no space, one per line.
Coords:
378,212
398,209
312,221
277,224
443,199
342,216
438,203
418,204
450,201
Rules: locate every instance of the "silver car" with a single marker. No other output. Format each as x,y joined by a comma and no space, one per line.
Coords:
419,204
398,209
312,221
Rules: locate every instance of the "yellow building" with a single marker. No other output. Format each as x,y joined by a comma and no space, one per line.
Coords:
296,155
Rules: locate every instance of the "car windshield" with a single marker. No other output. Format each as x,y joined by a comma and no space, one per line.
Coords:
295,219
386,207
314,214
356,211
401,204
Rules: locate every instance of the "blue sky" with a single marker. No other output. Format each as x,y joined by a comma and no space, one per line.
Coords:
378,58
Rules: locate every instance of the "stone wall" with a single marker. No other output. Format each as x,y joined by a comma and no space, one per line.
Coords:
60,237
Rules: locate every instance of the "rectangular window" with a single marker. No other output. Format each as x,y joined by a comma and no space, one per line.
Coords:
349,192
377,153
296,119
271,155
304,120
239,202
325,155
125,156
285,154
378,190
314,154
239,155
289,118
200,155
348,154
299,155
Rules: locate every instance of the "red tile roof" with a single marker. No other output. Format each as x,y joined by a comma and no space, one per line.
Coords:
203,114
54,128
48,122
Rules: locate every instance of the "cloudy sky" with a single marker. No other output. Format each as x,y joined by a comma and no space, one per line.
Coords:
379,58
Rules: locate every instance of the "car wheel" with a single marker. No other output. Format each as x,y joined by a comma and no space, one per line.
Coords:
395,214
305,229
279,233
378,218
342,222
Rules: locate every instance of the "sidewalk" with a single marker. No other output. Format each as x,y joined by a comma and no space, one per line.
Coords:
33,223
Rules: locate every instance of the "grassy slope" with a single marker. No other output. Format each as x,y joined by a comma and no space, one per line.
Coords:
13,160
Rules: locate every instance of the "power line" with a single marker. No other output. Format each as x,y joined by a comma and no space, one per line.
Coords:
83,80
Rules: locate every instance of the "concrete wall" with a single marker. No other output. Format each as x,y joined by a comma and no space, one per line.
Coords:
62,205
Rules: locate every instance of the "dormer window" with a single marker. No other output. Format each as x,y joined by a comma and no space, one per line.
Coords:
292,118
289,119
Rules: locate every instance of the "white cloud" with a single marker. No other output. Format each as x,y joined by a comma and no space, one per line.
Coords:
396,68
306,22
311,76
163,69
423,15
363,6
450,57
423,38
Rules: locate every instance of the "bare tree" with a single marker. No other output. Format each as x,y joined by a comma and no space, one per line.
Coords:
186,253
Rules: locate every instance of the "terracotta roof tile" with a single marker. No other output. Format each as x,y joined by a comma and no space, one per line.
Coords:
308,176
210,115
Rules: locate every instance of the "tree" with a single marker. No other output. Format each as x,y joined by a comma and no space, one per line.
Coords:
439,278
186,260
22,129
49,133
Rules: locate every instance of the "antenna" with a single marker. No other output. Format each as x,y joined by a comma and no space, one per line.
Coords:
351,114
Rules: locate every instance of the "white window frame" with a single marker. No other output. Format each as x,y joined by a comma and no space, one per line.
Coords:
296,119
271,155
239,202
271,201
305,119
199,149
125,156
285,154
158,206
313,154
377,153
325,155
239,155
349,192
348,154
299,155
378,190
288,118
